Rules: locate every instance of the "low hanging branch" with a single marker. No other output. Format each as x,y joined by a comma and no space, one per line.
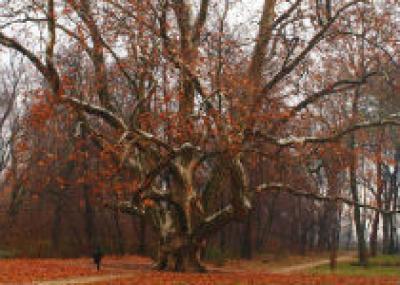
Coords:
277,187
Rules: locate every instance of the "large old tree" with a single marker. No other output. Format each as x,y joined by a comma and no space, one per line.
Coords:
182,94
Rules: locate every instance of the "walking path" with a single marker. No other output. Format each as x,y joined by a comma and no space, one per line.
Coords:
309,265
85,280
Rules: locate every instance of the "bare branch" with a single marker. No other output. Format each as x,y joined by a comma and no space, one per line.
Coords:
48,72
184,16
10,104
334,88
51,26
97,56
213,222
262,40
12,43
287,14
392,120
311,44
200,21
278,187
126,208
101,112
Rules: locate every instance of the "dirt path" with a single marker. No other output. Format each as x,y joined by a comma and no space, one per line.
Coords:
309,265
85,279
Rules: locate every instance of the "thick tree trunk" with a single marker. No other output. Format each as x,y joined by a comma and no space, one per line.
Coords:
179,253
179,215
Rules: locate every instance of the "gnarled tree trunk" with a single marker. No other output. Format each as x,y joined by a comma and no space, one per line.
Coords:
178,213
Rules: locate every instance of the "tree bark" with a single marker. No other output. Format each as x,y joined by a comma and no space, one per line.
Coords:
180,254
379,190
55,232
89,218
247,246
362,249
119,236
142,236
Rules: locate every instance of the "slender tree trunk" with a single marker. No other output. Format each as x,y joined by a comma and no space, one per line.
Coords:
392,244
385,236
362,249
332,211
142,236
119,236
379,189
89,218
394,196
350,232
247,246
55,232
333,235
222,237
266,230
323,232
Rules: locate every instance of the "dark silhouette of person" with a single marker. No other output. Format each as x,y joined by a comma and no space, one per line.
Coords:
97,256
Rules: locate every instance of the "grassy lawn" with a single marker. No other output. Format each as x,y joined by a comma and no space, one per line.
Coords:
383,265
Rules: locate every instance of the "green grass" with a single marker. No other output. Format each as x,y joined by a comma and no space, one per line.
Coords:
385,260
384,265
6,254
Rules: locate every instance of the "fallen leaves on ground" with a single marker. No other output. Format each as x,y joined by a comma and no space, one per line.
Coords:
158,278
28,270
18,271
